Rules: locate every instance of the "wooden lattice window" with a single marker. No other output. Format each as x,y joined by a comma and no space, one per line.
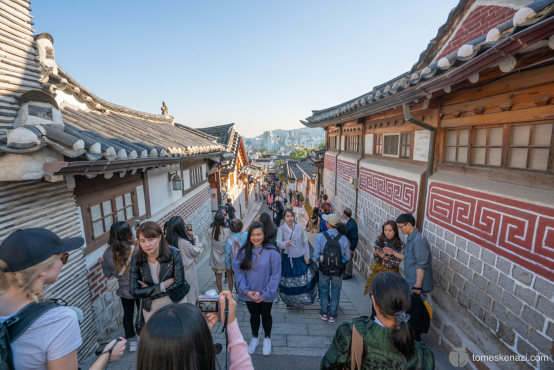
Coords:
457,144
333,142
353,143
195,175
104,213
406,145
378,145
487,146
530,146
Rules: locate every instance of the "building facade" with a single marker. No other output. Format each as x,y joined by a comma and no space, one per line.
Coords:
464,141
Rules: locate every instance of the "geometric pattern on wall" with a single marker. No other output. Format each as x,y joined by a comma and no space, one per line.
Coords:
519,231
396,191
346,170
329,163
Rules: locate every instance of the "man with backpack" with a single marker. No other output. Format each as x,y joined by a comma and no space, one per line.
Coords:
230,210
332,251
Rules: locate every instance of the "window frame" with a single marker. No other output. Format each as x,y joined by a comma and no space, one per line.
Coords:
196,175
385,135
352,143
507,135
407,145
94,242
378,144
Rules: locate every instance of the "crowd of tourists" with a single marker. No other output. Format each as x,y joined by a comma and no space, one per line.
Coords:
153,272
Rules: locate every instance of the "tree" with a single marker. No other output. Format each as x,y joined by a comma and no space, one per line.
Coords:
298,154
321,146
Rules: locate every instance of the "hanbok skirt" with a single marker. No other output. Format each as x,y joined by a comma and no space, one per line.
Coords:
298,285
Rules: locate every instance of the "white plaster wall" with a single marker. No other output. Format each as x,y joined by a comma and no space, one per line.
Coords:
141,200
421,145
369,144
159,187
342,141
350,158
186,179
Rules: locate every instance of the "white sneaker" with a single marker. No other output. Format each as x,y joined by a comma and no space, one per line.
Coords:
133,346
267,346
252,346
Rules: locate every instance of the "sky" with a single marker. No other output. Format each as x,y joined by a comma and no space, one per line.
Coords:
260,64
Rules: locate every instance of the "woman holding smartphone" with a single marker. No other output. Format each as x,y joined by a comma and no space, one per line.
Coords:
295,264
389,238
257,268
157,273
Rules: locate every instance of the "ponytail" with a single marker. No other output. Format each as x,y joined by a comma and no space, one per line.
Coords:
403,336
392,298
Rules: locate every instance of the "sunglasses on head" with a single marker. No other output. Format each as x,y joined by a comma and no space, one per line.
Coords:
64,257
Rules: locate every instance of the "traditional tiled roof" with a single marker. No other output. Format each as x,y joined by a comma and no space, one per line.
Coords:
529,25
227,136
84,127
307,168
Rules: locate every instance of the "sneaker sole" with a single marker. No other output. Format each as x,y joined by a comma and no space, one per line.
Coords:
324,318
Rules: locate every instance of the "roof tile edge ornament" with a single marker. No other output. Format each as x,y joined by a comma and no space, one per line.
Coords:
523,15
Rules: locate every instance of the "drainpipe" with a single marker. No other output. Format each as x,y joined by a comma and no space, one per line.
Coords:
430,156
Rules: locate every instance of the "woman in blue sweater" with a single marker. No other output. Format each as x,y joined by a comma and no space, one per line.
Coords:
257,269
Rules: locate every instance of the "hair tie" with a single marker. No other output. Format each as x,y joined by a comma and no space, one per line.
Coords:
401,316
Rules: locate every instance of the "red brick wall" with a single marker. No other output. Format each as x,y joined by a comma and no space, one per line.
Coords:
478,23
97,281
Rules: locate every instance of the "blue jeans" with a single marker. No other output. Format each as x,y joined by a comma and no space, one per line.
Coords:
332,284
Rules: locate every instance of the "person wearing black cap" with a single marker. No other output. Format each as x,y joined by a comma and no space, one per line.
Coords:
29,259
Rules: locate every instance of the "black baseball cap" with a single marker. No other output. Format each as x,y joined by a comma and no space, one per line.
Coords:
26,247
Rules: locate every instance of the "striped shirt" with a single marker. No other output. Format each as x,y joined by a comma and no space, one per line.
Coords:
52,336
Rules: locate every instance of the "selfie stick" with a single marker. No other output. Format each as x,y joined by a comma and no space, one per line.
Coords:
225,330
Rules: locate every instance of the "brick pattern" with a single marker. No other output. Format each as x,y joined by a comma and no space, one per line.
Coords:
477,23
512,302
521,232
346,196
396,191
190,205
329,184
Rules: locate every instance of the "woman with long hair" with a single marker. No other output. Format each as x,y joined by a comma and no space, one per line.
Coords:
29,259
313,222
116,261
269,227
157,273
178,337
216,237
386,343
295,264
235,241
257,268
190,247
389,238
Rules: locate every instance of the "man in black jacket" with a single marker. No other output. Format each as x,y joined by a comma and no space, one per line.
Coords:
352,236
230,210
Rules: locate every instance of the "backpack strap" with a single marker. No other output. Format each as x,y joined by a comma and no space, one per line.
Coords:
327,236
357,349
20,322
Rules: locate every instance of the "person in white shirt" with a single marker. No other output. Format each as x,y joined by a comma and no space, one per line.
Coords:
29,259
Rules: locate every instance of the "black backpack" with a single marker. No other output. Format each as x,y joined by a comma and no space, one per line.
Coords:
332,264
13,327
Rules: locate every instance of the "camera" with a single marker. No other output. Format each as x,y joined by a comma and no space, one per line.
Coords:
208,304
189,228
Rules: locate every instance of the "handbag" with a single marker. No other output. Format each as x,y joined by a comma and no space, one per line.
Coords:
113,282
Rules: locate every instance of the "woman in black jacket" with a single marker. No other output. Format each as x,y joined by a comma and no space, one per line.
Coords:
157,273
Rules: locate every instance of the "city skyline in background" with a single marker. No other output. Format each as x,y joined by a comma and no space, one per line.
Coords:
260,65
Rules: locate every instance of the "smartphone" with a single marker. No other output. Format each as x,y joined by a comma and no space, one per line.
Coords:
189,228
208,304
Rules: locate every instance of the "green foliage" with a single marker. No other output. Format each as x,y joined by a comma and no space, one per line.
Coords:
321,146
298,154
308,207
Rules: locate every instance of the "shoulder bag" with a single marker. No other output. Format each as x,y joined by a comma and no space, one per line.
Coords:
113,283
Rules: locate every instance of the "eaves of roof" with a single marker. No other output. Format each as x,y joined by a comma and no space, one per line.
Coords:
529,25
